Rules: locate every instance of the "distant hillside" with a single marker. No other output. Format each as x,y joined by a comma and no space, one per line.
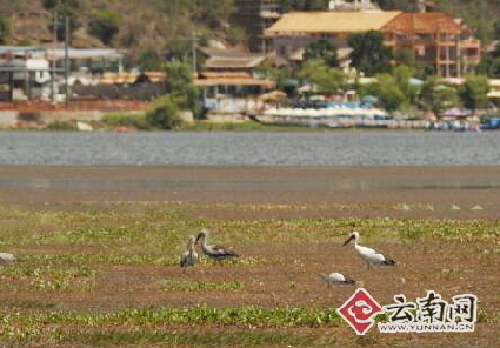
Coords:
143,26
147,28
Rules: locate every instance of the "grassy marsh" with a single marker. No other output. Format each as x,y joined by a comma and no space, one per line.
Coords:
107,274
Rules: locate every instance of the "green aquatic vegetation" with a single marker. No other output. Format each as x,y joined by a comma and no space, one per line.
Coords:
88,235
130,259
194,285
202,315
213,339
50,279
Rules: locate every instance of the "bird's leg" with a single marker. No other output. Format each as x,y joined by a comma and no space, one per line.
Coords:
368,264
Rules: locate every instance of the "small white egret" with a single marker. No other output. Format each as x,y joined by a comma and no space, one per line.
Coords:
334,279
215,252
189,258
369,255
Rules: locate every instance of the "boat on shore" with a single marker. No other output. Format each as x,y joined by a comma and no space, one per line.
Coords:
338,116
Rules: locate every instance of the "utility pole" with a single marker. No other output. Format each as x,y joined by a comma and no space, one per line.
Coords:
66,70
194,51
52,59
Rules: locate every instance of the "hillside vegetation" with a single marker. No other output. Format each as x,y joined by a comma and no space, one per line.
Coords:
150,28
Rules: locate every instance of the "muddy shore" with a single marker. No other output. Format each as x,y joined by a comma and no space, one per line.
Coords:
446,192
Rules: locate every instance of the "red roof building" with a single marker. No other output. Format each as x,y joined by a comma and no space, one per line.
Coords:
436,40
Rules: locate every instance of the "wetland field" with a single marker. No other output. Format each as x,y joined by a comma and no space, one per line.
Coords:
100,250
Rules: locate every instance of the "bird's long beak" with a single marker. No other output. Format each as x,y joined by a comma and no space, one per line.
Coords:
348,240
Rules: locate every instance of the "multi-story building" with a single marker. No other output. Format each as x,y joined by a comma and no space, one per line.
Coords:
435,39
255,16
296,30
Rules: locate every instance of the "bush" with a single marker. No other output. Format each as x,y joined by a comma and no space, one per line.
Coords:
223,126
62,125
165,113
137,121
105,25
4,29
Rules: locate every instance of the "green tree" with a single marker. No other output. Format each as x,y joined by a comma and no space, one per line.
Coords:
303,5
71,8
4,29
212,12
402,75
181,50
436,96
50,4
179,83
369,54
328,80
279,75
388,92
322,49
105,25
406,57
493,69
149,59
474,91
402,5
165,112
496,30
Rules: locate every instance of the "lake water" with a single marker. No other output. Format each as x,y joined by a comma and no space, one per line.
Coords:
268,149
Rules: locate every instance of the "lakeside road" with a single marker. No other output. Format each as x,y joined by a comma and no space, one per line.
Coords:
442,189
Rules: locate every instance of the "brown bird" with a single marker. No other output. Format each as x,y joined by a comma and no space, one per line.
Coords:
190,257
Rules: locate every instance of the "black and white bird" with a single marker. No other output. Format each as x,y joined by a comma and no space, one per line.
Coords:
369,255
215,252
7,259
336,279
189,258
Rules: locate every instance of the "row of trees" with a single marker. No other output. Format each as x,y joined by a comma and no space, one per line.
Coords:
394,87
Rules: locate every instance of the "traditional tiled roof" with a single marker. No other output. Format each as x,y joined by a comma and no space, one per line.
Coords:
235,51
330,22
432,22
230,62
221,81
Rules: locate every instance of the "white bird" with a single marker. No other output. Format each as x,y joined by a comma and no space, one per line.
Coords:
216,252
8,259
369,255
336,279
190,257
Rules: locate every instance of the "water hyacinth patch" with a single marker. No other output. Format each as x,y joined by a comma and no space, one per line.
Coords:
193,285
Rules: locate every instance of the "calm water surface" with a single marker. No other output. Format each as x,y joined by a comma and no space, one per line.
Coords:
268,149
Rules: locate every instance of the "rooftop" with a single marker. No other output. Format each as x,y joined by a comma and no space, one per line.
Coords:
230,62
432,22
330,22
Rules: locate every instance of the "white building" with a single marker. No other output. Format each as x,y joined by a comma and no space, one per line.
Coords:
352,6
26,72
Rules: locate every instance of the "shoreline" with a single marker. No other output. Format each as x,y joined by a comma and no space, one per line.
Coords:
383,186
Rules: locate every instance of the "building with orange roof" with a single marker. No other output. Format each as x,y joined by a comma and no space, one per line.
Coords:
436,40
295,30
